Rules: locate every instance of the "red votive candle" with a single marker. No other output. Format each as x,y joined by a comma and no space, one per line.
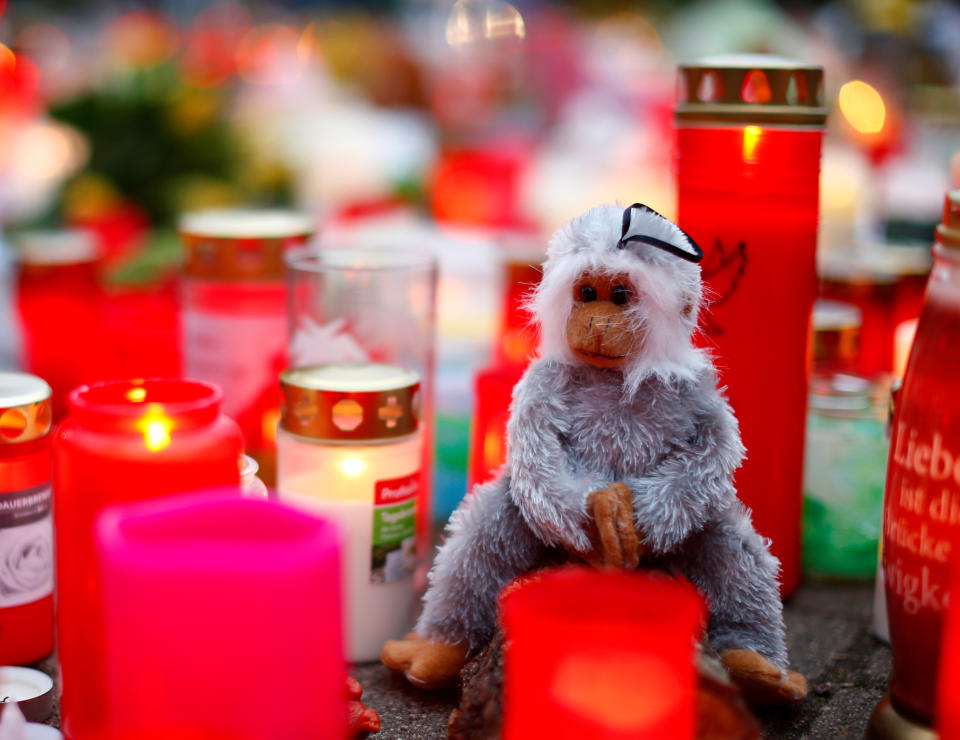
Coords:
600,654
749,130
493,390
234,314
26,530
123,441
221,619
921,517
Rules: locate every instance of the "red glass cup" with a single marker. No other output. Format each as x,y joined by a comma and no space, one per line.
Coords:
123,441
609,655
59,306
748,165
221,618
26,529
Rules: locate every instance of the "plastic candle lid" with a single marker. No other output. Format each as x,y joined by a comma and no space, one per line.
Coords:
62,247
24,407
246,223
350,401
751,88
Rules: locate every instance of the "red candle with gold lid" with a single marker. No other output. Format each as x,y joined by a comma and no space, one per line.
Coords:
26,531
749,129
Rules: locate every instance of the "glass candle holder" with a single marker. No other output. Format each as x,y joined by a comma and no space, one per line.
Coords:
59,301
921,517
749,130
360,305
221,619
844,476
233,314
26,529
349,449
123,441
600,654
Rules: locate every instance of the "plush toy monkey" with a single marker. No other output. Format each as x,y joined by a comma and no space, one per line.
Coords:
621,449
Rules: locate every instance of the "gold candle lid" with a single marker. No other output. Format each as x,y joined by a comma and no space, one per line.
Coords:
241,244
25,412
948,230
350,401
751,88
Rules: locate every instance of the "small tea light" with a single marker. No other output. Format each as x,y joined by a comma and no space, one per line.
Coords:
29,689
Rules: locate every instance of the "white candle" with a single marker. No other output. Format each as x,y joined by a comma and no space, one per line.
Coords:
367,485
31,687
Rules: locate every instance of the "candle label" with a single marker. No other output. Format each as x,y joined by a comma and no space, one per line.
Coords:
26,546
394,549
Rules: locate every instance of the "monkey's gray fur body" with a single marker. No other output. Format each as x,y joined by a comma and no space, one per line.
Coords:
659,425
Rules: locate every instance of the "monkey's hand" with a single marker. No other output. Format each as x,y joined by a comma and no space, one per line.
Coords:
612,531
427,664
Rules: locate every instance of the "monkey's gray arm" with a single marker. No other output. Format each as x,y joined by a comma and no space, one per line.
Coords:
488,544
549,492
693,483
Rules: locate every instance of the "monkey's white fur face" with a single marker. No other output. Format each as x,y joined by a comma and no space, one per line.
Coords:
663,309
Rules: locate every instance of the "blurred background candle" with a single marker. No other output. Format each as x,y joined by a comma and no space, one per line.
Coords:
600,654
366,305
349,449
26,530
123,441
921,519
233,313
221,619
58,301
749,130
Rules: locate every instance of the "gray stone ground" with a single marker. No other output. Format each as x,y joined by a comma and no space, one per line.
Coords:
830,642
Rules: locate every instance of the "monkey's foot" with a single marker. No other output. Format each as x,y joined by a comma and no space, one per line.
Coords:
425,664
760,681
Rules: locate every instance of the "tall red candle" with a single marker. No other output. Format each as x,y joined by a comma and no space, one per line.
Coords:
123,441
222,618
921,519
234,314
748,158
606,655
948,683
26,531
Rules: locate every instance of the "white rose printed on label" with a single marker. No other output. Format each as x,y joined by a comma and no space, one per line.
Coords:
394,549
26,546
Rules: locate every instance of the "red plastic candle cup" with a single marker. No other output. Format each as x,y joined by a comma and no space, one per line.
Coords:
921,517
26,529
221,619
600,654
521,271
58,301
123,441
234,314
493,391
749,130
948,685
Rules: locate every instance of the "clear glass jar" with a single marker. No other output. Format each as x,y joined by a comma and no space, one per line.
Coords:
843,476
356,304
349,448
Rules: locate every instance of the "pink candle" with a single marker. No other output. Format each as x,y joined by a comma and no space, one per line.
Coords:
221,620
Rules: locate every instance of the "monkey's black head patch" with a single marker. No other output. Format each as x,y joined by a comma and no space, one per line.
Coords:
679,244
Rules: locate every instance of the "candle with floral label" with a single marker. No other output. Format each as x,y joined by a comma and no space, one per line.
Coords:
234,313
123,441
349,449
922,501
26,530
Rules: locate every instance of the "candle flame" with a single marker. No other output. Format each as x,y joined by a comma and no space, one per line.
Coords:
751,138
352,466
862,106
136,395
156,426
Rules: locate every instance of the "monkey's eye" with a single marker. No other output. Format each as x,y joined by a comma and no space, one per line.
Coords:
588,293
620,294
